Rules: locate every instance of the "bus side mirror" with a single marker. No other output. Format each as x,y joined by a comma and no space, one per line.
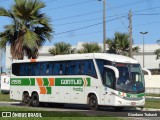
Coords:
148,71
114,69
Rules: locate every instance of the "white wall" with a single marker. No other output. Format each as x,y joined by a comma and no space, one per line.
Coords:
150,61
154,82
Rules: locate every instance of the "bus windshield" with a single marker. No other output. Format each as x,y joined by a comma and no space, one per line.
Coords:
130,78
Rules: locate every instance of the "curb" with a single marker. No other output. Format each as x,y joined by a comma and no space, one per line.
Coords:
152,97
9,102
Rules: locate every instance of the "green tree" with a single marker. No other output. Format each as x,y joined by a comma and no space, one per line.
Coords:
120,44
90,48
61,48
28,30
157,52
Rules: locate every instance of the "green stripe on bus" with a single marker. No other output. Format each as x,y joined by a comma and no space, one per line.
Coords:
88,81
131,95
48,90
135,95
32,81
58,82
22,82
45,82
70,82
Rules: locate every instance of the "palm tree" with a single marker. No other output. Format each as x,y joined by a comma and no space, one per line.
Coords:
90,48
28,30
61,48
157,52
120,44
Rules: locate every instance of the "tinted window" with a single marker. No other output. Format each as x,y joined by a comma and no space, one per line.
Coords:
101,63
75,67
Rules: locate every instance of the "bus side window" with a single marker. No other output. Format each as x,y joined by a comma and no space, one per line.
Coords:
60,69
52,68
29,70
72,68
25,69
109,77
93,70
81,68
49,69
63,67
37,69
56,69
85,68
43,68
33,69
22,70
66,68
89,68
100,64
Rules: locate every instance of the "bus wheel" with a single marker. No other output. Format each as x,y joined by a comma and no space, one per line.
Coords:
26,99
93,103
35,100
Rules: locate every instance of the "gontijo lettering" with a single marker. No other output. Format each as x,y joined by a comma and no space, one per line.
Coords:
71,81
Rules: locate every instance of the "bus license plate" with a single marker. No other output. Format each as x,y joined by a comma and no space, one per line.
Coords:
133,103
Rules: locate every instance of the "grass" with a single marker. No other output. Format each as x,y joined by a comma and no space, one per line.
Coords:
153,95
152,104
63,115
4,97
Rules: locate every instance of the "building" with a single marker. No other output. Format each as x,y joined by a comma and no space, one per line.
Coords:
150,61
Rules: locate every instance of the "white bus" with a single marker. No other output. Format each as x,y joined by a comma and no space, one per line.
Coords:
96,79
5,83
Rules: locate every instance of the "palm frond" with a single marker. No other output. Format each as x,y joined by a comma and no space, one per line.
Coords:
29,39
157,52
6,13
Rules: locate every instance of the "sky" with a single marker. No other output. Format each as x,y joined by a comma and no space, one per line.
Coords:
76,21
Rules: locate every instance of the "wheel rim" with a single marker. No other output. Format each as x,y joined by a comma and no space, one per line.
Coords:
35,100
26,99
93,103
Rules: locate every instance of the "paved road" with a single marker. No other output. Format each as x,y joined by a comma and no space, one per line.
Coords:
83,109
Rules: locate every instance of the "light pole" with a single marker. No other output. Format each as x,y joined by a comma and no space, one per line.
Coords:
143,33
104,25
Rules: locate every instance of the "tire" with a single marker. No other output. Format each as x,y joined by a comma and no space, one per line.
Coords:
26,99
35,100
93,102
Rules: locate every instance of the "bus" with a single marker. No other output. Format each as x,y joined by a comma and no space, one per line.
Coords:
95,79
5,83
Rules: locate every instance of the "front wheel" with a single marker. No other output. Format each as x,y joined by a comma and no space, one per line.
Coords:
93,102
35,100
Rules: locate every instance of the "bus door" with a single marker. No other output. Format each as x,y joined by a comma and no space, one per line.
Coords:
110,74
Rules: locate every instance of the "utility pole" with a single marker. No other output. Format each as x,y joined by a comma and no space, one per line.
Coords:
104,26
130,33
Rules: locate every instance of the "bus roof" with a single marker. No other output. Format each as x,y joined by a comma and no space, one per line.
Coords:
105,56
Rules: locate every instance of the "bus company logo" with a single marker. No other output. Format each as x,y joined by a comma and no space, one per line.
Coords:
16,82
71,81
